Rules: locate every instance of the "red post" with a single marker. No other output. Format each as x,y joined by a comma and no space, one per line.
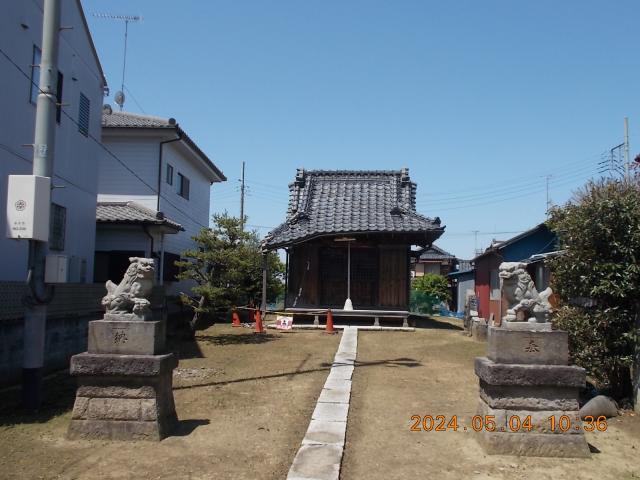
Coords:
329,328
259,327
235,322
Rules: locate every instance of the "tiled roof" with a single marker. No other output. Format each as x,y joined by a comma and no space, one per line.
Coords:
326,202
131,213
435,253
127,119
112,119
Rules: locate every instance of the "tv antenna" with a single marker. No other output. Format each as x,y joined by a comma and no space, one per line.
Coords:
119,96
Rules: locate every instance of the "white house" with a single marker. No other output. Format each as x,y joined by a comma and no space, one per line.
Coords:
153,194
81,87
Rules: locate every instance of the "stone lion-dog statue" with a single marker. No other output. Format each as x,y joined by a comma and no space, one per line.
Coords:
524,302
129,297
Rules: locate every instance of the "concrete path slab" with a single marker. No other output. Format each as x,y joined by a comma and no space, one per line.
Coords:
320,455
338,383
335,395
331,412
316,462
325,433
341,372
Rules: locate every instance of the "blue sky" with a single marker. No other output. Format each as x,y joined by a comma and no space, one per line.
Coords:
480,99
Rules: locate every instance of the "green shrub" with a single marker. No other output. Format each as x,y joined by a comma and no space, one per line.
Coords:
598,279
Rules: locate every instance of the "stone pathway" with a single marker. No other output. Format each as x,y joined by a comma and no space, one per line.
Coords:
321,452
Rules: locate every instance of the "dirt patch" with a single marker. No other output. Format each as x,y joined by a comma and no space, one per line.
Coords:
244,402
430,372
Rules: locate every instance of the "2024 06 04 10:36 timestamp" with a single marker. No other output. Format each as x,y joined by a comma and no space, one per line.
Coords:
514,423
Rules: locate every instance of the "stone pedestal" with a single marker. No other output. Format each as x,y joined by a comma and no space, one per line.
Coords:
124,383
525,377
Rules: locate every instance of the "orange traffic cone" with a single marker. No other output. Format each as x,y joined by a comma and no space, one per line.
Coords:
329,329
259,328
235,319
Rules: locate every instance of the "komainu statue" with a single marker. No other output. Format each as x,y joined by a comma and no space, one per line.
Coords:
129,297
524,302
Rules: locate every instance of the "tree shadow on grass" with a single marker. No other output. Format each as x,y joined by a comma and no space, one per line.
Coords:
238,339
398,362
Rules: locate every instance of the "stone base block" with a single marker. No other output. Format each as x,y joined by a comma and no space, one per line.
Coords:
535,444
515,397
529,375
126,337
123,397
527,347
533,421
528,326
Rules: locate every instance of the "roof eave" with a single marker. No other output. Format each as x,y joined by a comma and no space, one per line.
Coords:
159,223
437,232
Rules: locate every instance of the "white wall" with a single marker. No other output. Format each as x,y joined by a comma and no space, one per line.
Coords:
116,183
75,164
140,151
192,214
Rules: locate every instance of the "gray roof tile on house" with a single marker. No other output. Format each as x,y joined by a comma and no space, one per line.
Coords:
435,253
334,202
131,213
127,119
111,119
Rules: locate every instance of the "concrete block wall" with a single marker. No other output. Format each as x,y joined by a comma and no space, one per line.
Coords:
72,308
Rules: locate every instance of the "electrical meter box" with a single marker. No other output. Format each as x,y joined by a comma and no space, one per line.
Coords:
28,207
56,269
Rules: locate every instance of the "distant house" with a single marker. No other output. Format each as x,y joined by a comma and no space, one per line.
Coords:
432,259
80,89
527,247
358,222
153,194
462,280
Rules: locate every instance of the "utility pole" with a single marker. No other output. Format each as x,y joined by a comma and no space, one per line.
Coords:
242,200
547,178
43,155
626,149
475,241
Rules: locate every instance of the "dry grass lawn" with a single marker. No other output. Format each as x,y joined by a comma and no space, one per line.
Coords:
430,372
244,403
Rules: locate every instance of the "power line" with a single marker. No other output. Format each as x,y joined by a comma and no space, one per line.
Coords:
501,191
471,200
513,197
10,150
101,145
135,100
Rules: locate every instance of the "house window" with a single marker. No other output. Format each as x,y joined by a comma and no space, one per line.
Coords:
35,78
83,115
57,227
169,174
183,186
495,285
59,96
